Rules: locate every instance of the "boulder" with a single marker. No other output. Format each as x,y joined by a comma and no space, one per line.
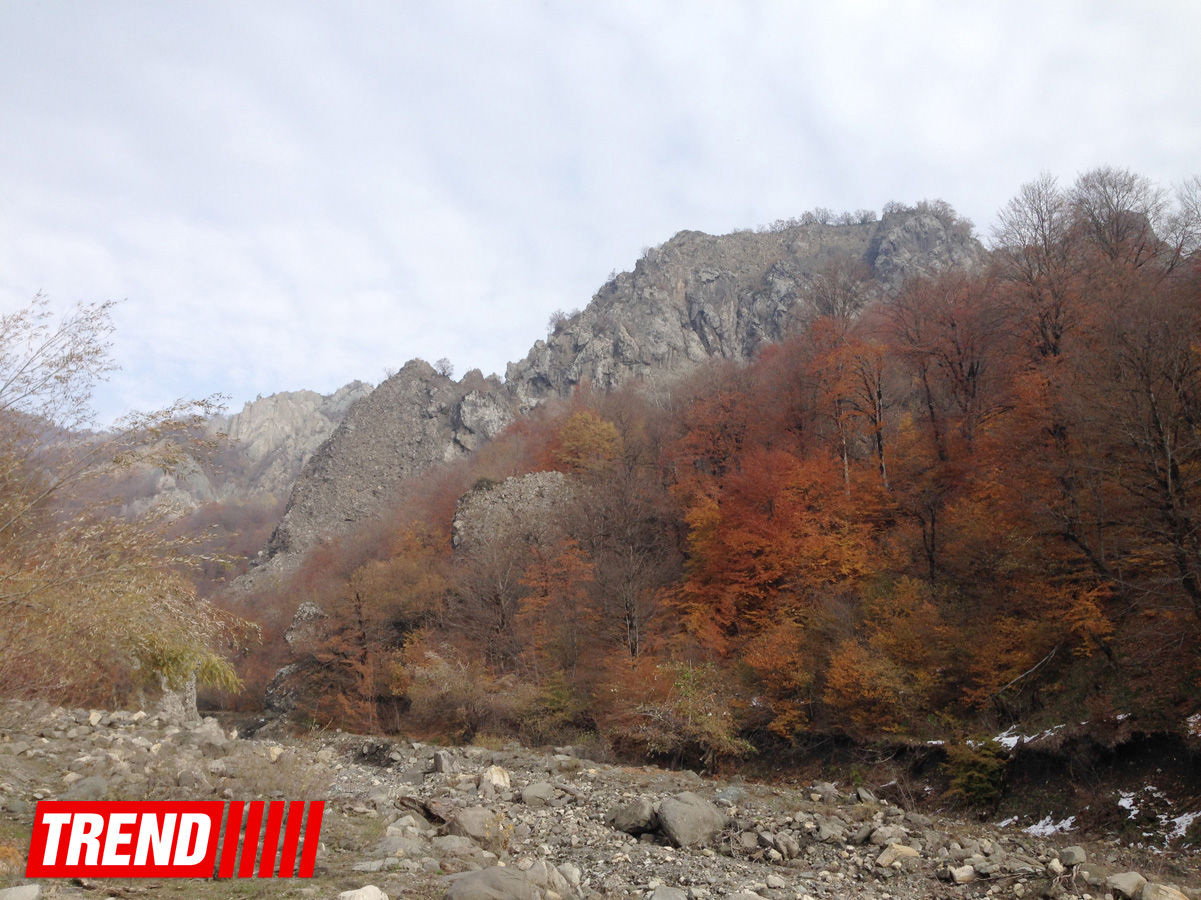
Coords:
369,892
480,824
1161,892
663,892
634,818
1126,884
493,883
1072,856
540,793
689,821
894,852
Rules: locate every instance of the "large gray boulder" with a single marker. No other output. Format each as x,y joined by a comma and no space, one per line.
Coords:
493,883
690,821
638,817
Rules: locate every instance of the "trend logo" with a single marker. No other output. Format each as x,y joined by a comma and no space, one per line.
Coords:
200,839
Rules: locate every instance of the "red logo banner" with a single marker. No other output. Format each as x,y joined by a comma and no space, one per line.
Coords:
174,839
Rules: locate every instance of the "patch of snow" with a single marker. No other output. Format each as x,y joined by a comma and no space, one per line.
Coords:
935,743
1183,823
1194,725
1046,827
1010,739
1007,822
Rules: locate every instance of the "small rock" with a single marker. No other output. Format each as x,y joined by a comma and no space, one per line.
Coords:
963,874
24,892
540,793
663,892
689,820
1126,884
1072,856
894,852
369,892
92,788
445,763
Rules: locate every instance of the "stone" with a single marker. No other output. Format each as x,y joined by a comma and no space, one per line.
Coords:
541,793
400,845
544,875
894,852
23,892
94,787
635,818
368,892
826,791
497,777
571,874
663,892
193,780
1072,856
1126,884
480,824
455,845
493,883
865,795
1161,892
445,762
963,874
689,821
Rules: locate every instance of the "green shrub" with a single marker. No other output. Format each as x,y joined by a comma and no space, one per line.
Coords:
977,772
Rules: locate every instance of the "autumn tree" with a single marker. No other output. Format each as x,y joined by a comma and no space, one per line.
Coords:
112,592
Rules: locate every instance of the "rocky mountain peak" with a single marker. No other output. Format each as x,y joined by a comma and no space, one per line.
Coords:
695,297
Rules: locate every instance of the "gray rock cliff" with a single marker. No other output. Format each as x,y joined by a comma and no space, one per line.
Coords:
414,419
694,298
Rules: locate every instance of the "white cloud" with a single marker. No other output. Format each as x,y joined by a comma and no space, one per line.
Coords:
296,194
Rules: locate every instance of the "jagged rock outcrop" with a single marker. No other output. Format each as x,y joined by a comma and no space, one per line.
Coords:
694,298
277,434
414,419
270,440
699,296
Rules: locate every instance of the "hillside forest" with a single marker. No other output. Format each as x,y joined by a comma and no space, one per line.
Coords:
929,513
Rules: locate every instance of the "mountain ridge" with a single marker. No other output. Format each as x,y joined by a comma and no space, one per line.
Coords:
695,297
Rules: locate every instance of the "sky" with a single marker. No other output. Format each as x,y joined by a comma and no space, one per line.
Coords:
290,195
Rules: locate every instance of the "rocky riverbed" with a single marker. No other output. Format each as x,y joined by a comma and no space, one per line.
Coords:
474,823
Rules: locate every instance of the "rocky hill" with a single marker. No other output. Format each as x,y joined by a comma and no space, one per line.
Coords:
694,298
469,823
270,441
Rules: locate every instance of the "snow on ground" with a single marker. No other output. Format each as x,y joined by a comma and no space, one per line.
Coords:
1048,827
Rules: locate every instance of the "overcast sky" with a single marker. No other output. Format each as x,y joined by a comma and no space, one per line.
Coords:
297,194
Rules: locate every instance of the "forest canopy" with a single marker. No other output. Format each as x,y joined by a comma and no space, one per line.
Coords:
971,500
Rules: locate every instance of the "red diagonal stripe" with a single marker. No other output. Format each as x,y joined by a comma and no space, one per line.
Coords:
230,840
312,836
275,821
287,856
250,844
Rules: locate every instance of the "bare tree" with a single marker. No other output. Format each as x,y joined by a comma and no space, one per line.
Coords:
111,592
